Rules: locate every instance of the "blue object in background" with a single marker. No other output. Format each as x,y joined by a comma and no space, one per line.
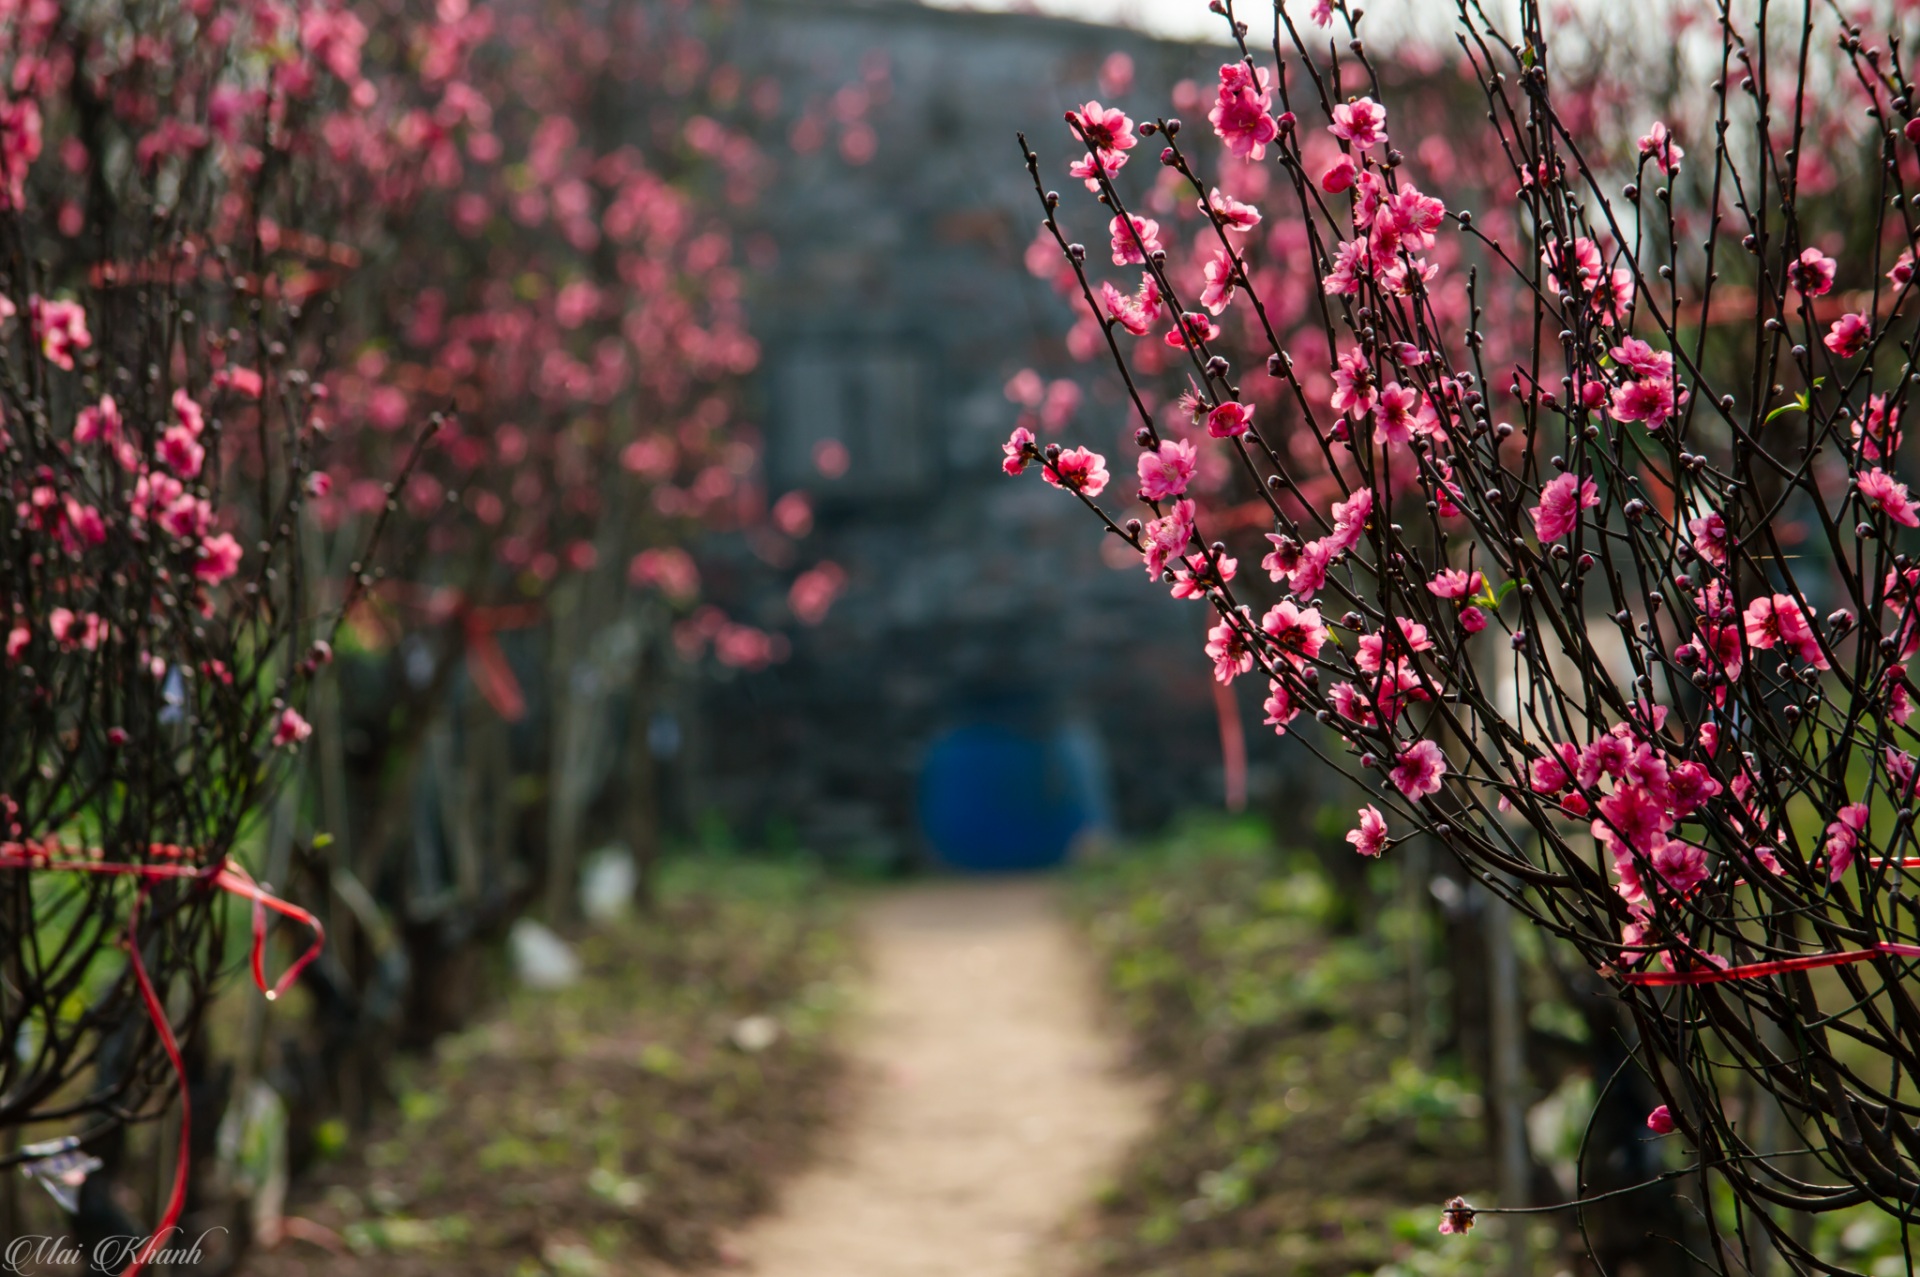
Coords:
993,800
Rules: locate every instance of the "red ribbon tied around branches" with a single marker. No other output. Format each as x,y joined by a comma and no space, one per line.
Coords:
1710,974
168,862
479,625
1760,970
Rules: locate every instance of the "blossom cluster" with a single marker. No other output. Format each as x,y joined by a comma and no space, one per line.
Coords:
160,383
1400,406
581,328
1618,612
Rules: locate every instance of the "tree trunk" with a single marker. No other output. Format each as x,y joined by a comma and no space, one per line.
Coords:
643,794
1507,1072
562,810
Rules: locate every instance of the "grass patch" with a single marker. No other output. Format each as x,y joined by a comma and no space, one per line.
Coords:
1296,1137
634,1117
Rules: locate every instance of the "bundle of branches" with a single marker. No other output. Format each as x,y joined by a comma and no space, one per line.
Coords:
559,277
548,194
1586,515
158,374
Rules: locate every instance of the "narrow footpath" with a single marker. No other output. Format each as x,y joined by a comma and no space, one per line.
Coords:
989,1105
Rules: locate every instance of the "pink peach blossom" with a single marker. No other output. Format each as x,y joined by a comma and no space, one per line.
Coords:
1650,401
1419,770
1167,537
1681,866
1220,276
290,729
1642,360
1398,413
192,419
1879,490
99,423
1811,274
1354,387
1561,502
1362,123
61,327
1230,213
219,558
1877,430
1135,239
1229,420
1105,128
1369,838
1079,470
1020,449
180,452
1710,537
1240,111
1279,708
1456,1217
1166,470
1229,651
1350,519
1138,313
1849,335
1659,144
1780,621
1298,632
1456,584
1843,838
1192,328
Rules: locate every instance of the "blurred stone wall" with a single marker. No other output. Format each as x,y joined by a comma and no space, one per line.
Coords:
894,310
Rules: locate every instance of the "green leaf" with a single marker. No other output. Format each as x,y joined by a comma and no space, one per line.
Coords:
1799,404
1802,402
1492,596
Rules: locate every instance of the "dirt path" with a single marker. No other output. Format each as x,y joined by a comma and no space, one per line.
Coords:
990,1105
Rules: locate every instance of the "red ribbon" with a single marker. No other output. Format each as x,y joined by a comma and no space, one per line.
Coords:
174,863
1233,746
487,665
177,1195
1759,970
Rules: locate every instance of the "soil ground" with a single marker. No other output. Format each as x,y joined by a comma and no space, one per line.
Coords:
980,1106
989,1106
1298,1136
617,1127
